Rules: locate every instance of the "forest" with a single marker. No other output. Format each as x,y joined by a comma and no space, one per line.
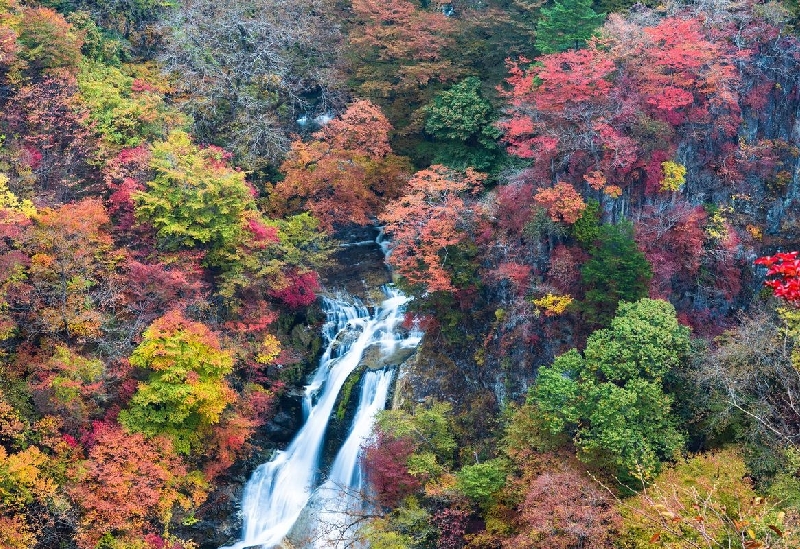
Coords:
593,206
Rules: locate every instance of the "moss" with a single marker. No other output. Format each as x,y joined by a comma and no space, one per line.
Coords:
303,335
347,389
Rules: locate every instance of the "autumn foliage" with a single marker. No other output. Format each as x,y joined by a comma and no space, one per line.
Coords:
785,267
185,392
431,217
164,239
586,111
562,202
386,459
347,172
565,509
127,484
404,34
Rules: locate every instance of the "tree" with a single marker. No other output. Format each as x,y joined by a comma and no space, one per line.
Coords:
69,386
680,72
672,237
410,448
47,41
195,199
386,465
185,393
481,480
8,46
562,202
15,219
745,389
785,267
617,271
404,39
49,146
611,399
554,107
362,128
276,259
247,70
129,486
408,526
300,291
566,25
706,501
24,478
563,510
27,482
70,283
463,121
133,20
15,533
98,43
347,173
616,108
150,289
124,110
674,176
428,222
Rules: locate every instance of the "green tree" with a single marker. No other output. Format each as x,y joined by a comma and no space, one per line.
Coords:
587,228
481,480
98,44
123,115
195,199
431,430
408,526
617,271
462,120
566,25
185,392
611,399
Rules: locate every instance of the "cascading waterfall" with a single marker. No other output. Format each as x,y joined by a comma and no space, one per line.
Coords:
279,490
339,500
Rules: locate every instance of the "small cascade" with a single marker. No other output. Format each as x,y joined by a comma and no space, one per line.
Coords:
279,490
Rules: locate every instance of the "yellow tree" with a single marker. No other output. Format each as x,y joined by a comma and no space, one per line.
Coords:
185,392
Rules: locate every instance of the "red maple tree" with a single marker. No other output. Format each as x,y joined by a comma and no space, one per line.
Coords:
785,267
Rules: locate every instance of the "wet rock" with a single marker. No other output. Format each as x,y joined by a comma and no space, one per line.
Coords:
357,267
403,390
342,417
374,359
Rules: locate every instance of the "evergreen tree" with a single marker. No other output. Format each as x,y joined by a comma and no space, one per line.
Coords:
462,121
566,25
617,271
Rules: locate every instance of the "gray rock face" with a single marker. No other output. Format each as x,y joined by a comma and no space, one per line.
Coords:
358,266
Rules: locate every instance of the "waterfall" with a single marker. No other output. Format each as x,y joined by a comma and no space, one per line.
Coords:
279,490
340,498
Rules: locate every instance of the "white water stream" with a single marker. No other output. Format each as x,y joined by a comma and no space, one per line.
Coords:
279,490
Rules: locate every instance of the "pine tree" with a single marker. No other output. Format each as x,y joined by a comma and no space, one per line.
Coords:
617,271
566,25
